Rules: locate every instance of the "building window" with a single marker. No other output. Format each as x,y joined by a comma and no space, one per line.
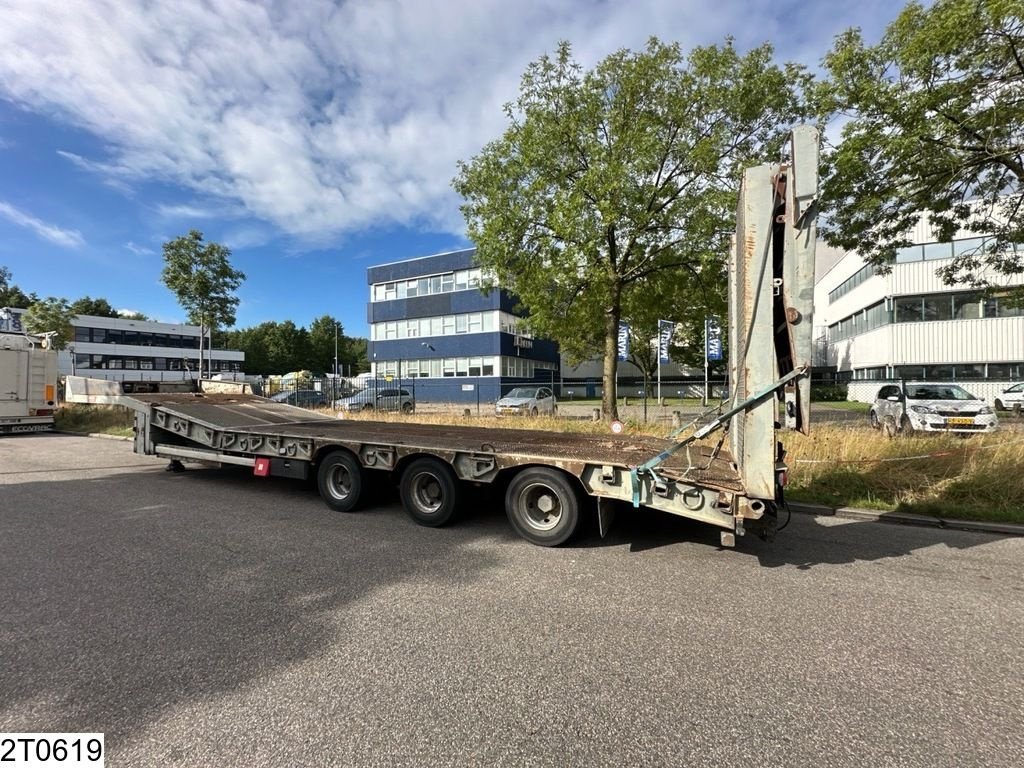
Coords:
1006,370
966,306
938,307
909,309
909,371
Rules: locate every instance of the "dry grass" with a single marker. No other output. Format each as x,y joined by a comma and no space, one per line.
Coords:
978,477
95,419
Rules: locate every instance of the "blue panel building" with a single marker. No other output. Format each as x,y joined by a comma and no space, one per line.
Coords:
434,330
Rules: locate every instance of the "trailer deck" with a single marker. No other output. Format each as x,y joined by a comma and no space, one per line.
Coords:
247,414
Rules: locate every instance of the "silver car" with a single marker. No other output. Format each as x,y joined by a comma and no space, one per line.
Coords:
930,407
527,401
373,399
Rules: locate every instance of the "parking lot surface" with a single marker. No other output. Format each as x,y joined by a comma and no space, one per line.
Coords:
213,618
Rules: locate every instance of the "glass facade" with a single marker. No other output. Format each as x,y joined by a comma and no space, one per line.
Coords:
459,280
137,338
851,282
966,305
135,363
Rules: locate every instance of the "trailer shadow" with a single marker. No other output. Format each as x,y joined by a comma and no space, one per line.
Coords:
807,541
129,593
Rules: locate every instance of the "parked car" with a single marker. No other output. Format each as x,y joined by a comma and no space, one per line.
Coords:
304,398
1011,398
931,407
527,401
372,399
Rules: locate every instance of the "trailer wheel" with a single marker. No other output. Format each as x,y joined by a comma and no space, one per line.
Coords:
543,506
429,492
340,481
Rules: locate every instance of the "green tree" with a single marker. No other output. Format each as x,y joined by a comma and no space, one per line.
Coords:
616,188
287,347
322,344
95,307
11,295
936,128
356,357
53,316
201,276
132,315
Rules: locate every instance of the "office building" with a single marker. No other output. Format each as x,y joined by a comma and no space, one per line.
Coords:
433,328
910,324
138,350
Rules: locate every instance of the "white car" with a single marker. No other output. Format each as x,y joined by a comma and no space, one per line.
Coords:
930,407
527,401
1011,398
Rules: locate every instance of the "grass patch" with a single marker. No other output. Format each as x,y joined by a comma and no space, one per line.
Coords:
95,419
977,478
844,405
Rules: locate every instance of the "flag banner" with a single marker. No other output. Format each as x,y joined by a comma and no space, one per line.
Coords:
665,329
712,339
623,341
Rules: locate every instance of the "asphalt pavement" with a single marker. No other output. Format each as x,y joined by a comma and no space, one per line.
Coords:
210,618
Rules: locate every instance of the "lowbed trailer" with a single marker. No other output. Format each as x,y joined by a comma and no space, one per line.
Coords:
550,476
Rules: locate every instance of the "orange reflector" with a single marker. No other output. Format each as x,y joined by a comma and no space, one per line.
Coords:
49,394
261,468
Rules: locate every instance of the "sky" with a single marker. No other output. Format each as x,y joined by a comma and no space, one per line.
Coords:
315,139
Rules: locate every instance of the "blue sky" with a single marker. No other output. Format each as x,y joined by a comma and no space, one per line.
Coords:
314,139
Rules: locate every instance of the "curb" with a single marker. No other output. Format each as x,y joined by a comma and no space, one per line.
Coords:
906,518
94,434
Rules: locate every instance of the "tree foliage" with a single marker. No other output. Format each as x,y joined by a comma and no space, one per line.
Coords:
11,295
280,347
612,193
53,316
936,128
201,277
94,307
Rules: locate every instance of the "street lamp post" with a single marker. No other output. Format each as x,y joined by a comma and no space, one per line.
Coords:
334,383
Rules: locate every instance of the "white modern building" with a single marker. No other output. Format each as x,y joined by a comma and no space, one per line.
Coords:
138,350
909,324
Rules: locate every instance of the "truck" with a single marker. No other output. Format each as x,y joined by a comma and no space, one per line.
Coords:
28,383
727,473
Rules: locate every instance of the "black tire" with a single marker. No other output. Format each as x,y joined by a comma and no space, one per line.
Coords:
339,479
430,492
873,418
543,505
407,408
534,413
999,405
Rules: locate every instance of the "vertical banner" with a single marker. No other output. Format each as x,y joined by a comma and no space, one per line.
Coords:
623,342
665,328
712,339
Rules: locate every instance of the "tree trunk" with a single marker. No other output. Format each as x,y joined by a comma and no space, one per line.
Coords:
609,395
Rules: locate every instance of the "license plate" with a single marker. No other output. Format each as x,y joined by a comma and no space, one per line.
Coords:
959,422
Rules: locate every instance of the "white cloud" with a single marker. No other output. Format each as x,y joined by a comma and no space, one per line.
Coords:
323,117
188,211
139,250
69,238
